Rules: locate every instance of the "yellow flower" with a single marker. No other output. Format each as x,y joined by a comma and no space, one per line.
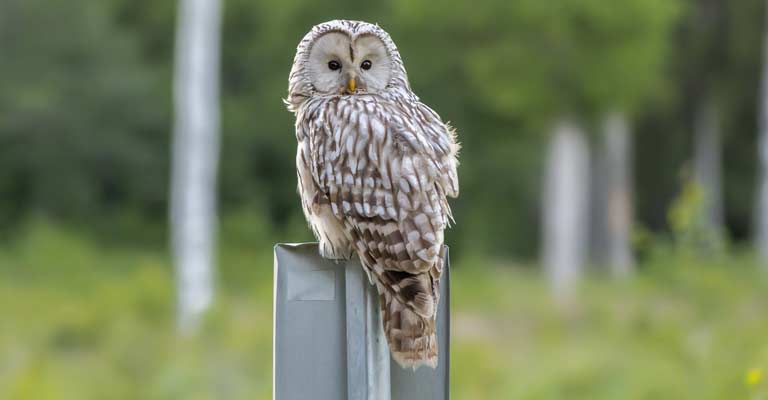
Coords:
754,376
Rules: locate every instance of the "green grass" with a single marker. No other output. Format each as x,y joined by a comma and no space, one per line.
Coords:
685,333
82,319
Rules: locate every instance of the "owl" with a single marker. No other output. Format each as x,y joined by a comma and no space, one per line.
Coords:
375,167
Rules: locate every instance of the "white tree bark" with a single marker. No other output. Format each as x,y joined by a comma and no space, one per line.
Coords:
707,164
598,204
617,147
761,204
565,208
195,157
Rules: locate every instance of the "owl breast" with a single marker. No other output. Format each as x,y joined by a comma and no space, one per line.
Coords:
374,161
374,173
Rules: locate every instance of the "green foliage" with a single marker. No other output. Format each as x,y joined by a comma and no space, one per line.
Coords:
535,60
82,117
714,55
81,321
676,331
692,233
85,102
84,322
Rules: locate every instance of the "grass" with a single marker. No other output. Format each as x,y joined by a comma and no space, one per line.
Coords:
684,334
80,319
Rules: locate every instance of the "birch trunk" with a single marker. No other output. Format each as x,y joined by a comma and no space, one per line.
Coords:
565,208
617,147
707,164
761,204
195,157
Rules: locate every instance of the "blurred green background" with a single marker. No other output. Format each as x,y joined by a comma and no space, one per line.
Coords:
86,282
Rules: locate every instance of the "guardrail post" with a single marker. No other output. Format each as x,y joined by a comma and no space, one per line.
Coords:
328,340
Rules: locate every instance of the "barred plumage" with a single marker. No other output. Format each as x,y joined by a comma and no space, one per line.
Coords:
375,166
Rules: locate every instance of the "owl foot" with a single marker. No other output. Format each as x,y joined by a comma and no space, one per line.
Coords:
330,252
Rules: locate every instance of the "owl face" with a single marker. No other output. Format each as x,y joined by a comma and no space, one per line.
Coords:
343,57
342,64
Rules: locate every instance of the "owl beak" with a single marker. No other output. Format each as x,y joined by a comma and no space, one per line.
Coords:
352,85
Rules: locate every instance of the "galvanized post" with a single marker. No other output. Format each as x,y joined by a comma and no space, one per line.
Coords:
328,339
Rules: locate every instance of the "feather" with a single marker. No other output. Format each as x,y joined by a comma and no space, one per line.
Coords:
374,172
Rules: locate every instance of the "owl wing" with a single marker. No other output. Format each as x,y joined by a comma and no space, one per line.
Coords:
441,138
386,170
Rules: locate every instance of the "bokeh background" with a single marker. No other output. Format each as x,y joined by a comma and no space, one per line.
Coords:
665,298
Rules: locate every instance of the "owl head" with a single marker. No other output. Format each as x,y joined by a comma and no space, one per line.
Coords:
342,58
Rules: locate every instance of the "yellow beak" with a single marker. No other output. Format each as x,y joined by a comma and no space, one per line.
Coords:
352,85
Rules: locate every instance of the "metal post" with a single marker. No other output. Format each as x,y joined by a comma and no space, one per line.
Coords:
329,342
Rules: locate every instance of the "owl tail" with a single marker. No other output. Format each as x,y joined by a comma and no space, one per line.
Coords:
412,338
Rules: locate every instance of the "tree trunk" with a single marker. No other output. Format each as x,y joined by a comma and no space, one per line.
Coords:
707,163
565,208
598,204
617,194
761,205
195,157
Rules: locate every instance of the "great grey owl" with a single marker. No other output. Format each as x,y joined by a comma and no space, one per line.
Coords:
375,167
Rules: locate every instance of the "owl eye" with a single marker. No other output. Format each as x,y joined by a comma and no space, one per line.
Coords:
366,65
334,65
